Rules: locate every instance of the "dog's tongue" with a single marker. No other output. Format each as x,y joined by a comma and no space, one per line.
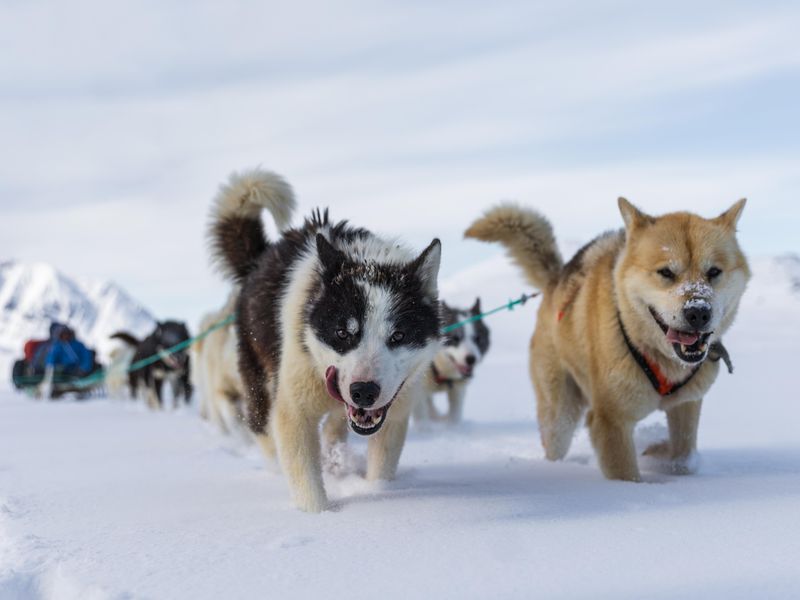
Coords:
330,383
680,337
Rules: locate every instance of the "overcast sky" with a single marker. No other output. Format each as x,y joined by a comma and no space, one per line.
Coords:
119,119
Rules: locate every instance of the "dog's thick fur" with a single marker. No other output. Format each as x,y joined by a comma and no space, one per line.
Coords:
453,367
331,320
117,377
173,368
643,278
216,370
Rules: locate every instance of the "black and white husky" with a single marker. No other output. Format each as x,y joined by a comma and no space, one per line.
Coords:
174,368
332,320
454,365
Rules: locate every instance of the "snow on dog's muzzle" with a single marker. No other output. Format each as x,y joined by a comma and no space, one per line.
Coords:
363,421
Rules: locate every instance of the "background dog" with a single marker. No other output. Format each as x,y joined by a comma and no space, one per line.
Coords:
332,320
117,378
173,368
626,326
216,371
454,365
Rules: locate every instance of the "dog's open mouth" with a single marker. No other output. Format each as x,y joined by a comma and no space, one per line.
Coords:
690,346
363,421
464,370
366,422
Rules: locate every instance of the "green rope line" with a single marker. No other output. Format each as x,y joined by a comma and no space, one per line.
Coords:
140,364
508,306
101,374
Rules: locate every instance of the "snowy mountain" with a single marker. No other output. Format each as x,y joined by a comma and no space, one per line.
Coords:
32,295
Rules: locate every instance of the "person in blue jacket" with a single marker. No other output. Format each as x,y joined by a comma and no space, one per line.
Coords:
67,355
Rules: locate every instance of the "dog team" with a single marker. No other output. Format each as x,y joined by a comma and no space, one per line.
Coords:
338,329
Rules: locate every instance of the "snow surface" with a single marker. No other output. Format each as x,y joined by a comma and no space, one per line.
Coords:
106,500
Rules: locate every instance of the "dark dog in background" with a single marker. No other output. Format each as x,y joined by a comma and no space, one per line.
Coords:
173,368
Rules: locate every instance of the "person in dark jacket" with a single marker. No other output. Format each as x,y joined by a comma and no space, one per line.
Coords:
67,355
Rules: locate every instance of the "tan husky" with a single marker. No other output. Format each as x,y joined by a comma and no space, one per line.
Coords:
630,325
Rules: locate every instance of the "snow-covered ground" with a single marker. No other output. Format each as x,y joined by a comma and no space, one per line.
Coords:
106,500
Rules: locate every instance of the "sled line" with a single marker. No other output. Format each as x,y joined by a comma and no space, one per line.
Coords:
507,306
140,364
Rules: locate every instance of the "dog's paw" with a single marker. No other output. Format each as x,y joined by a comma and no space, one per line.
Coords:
659,458
685,465
312,503
339,460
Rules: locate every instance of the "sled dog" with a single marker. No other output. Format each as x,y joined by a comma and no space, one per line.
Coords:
332,320
173,368
120,358
216,370
454,365
633,323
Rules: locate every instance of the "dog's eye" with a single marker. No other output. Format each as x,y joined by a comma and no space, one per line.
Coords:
714,272
342,334
397,337
666,273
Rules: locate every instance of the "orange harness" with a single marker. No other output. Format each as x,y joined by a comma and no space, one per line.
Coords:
660,383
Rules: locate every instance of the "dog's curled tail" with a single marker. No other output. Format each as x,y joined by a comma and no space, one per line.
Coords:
528,237
236,233
125,337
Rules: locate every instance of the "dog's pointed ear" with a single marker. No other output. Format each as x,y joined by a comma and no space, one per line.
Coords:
426,266
632,216
731,216
331,258
476,308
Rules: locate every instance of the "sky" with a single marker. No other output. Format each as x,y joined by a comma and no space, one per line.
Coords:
119,120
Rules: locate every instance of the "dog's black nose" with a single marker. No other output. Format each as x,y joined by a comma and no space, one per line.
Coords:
364,393
697,315
470,359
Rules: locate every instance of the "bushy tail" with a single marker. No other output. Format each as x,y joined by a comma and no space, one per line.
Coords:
528,237
235,232
125,337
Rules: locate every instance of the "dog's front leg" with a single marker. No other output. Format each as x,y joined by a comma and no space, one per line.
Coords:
384,448
158,384
455,401
612,438
679,453
297,438
683,421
